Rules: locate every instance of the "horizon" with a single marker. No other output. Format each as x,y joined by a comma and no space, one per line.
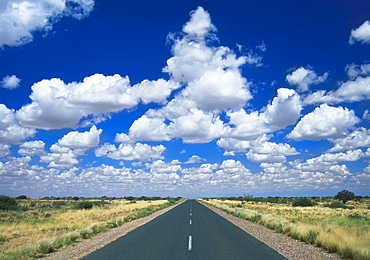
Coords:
196,99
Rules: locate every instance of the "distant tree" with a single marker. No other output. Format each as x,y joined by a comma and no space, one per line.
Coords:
345,196
22,197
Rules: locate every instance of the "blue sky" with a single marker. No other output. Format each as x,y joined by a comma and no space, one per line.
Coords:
184,98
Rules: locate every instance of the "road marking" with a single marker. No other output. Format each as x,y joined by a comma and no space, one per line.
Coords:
190,222
190,214
190,243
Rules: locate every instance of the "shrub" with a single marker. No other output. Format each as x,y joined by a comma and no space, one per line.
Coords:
86,232
336,205
44,246
84,205
7,203
302,202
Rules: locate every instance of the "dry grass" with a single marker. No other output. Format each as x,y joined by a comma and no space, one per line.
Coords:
44,225
343,231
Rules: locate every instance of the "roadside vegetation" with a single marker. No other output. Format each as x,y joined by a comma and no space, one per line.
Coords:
328,222
33,227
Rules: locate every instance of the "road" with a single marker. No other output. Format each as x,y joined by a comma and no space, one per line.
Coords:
188,231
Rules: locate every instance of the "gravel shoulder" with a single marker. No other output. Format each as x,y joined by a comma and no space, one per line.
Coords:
286,246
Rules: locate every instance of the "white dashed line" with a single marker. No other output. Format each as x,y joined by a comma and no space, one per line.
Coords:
190,222
190,243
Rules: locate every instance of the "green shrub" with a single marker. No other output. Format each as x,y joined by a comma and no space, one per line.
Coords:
7,203
86,232
336,205
44,246
84,205
303,202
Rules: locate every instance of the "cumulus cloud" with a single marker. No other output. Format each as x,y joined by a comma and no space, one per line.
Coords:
354,70
350,91
10,82
195,159
32,148
284,110
91,100
196,127
148,128
270,152
61,157
358,138
20,19
4,150
156,91
85,140
361,34
323,123
303,77
10,130
128,152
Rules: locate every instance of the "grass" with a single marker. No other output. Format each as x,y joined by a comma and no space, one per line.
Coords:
342,231
48,225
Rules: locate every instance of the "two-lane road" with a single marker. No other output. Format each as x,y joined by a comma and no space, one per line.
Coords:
188,231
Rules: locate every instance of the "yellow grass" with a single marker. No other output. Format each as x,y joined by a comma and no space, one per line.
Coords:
344,231
38,223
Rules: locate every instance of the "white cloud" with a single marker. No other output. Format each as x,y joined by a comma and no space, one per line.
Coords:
10,130
160,166
61,157
270,152
323,123
199,25
350,91
10,82
195,159
56,104
20,19
32,148
358,138
85,140
148,128
127,152
361,34
284,110
4,150
196,127
354,70
329,161
156,91
303,77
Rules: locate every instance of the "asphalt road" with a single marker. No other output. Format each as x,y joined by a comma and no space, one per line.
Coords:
188,231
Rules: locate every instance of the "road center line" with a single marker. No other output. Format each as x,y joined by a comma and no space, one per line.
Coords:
190,243
190,222
190,214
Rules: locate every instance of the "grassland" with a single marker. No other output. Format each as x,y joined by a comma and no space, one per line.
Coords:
40,226
338,230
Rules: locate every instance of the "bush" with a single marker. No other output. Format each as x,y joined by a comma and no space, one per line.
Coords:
336,205
7,203
84,205
302,202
